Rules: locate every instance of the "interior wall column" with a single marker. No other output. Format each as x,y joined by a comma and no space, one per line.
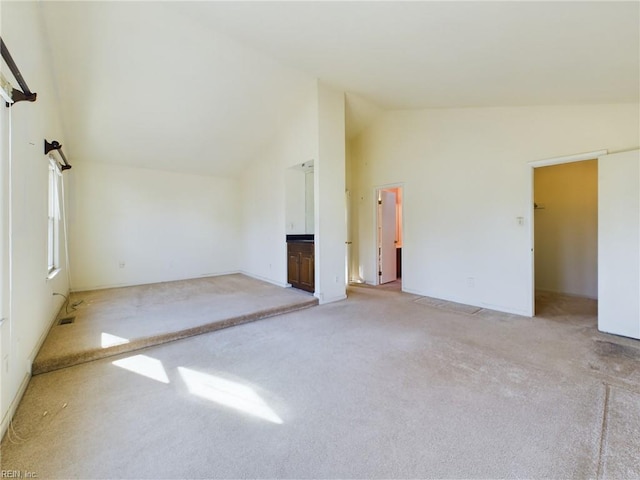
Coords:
330,208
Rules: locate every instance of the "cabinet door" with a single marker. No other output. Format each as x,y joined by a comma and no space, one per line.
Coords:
307,273
293,268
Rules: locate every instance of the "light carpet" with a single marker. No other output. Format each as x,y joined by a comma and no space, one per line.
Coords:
119,320
376,386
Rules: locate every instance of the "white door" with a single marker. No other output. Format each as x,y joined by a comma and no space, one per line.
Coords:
387,236
619,244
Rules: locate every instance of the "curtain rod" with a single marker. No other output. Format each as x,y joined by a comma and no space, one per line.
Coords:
54,145
16,94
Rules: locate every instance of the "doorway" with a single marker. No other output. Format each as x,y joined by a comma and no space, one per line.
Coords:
618,233
560,257
566,235
389,235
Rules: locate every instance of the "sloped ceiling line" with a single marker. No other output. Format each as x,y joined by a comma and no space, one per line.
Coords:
246,65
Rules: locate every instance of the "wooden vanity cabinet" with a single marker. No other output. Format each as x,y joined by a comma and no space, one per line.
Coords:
300,265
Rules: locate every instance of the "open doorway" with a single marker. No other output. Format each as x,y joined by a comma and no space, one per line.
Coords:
389,236
566,237
618,231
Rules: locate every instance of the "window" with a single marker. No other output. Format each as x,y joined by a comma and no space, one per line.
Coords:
54,220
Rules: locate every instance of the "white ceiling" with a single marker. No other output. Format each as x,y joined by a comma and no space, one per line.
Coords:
450,54
201,86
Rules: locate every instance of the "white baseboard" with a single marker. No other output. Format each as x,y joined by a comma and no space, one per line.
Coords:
89,288
11,411
8,415
324,300
265,279
565,294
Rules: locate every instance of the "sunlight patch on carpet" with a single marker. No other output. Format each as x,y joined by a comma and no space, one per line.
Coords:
108,340
143,365
228,393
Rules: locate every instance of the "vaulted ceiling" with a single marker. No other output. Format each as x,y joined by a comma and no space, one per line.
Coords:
202,86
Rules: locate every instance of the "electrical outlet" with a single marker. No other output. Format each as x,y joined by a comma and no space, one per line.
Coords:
471,282
122,264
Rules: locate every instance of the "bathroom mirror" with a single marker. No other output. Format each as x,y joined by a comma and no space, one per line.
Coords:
299,199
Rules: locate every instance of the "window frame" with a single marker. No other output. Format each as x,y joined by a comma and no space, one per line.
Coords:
53,219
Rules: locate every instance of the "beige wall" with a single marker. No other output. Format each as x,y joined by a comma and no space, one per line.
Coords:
566,228
129,226
27,301
467,188
329,178
263,193
315,132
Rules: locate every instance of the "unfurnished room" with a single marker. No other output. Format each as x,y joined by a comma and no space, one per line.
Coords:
321,239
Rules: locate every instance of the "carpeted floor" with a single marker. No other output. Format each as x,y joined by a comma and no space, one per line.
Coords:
377,386
120,320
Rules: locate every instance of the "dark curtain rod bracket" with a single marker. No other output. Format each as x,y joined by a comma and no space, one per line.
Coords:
16,95
54,145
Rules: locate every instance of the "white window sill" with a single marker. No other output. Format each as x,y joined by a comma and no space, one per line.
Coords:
52,274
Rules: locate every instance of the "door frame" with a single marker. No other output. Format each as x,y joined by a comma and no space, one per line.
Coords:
578,157
376,188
